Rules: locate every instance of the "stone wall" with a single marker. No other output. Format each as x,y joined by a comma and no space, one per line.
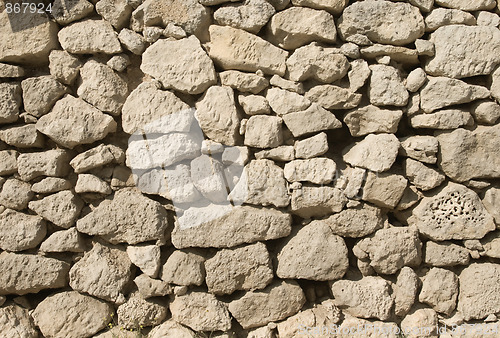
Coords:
256,168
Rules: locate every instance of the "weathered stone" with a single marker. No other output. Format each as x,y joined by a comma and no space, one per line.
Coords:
358,74
367,298
314,201
264,131
332,6
442,119
48,163
315,170
466,5
297,26
251,15
242,224
19,231
386,87
149,287
420,322
63,241
479,296
133,41
217,115
145,257
462,153
173,73
491,202
282,83
89,37
333,97
371,119
201,311
415,79
96,157
313,253
208,177
484,112
421,148
15,194
455,212
64,66
65,12
10,95
356,222
62,208
16,322
24,273
464,51
72,121
315,62
184,268
313,119
27,37
396,53
491,245
277,301
405,291
40,94
244,268
71,314
88,183
440,290
243,82
284,101
25,136
170,329
116,12
102,272
254,104
127,217
233,48
137,311
8,162
439,17
488,19
311,147
370,18
375,152
7,70
281,153
445,254
422,176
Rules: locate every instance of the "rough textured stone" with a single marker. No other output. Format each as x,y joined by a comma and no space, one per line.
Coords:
284,101
71,314
371,119
65,12
63,241
445,254
10,94
313,253
62,208
332,6
421,148
485,112
316,170
201,311
40,94
7,70
422,176
244,268
367,298
243,82
146,257
233,48
174,74
282,83
370,18
281,153
25,136
15,194
149,287
137,311
20,231
264,131
415,79
442,119
440,290
96,157
356,222
405,291
467,5
116,12
386,87
89,37
133,41
491,202
64,66
8,162
277,301
309,201
374,152
313,119
455,212
48,163
88,183
16,322
127,217
254,104
312,146
251,15
102,272
208,177
24,273
184,268
420,321
333,97
439,17
379,52
171,329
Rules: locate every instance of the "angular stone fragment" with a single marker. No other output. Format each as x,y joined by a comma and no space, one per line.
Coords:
116,12
149,287
314,201
405,291
20,231
8,162
25,136
375,152
282,83
15,194
29,40
71,314
217,115
386,87
315,62
284,101
455,212
48,163
316,170
254,104
23,273
184,268
313,146
463,153
208,177
89,37
88,183
251,15
313,119
423,320
445,254
422,176
62,208
421,148
40,94
277,301
244,268
7,70
65,12
333,97
442,119
102,272
173,328
264,131
242,224
491,202
440,290
10,95
358,73
16,322
388,250
243,82
356,222
297,26
332,6
173,73
201,311
467,5
464,51
146,257
443,17
137,311
72,121
371,119
63,241
233,48
313,253
382,21
133,41
367,298
64,66
95,158
127,217
479,295
281,153
102,87
396,53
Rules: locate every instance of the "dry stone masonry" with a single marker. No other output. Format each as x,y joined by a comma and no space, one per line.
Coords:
250,168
